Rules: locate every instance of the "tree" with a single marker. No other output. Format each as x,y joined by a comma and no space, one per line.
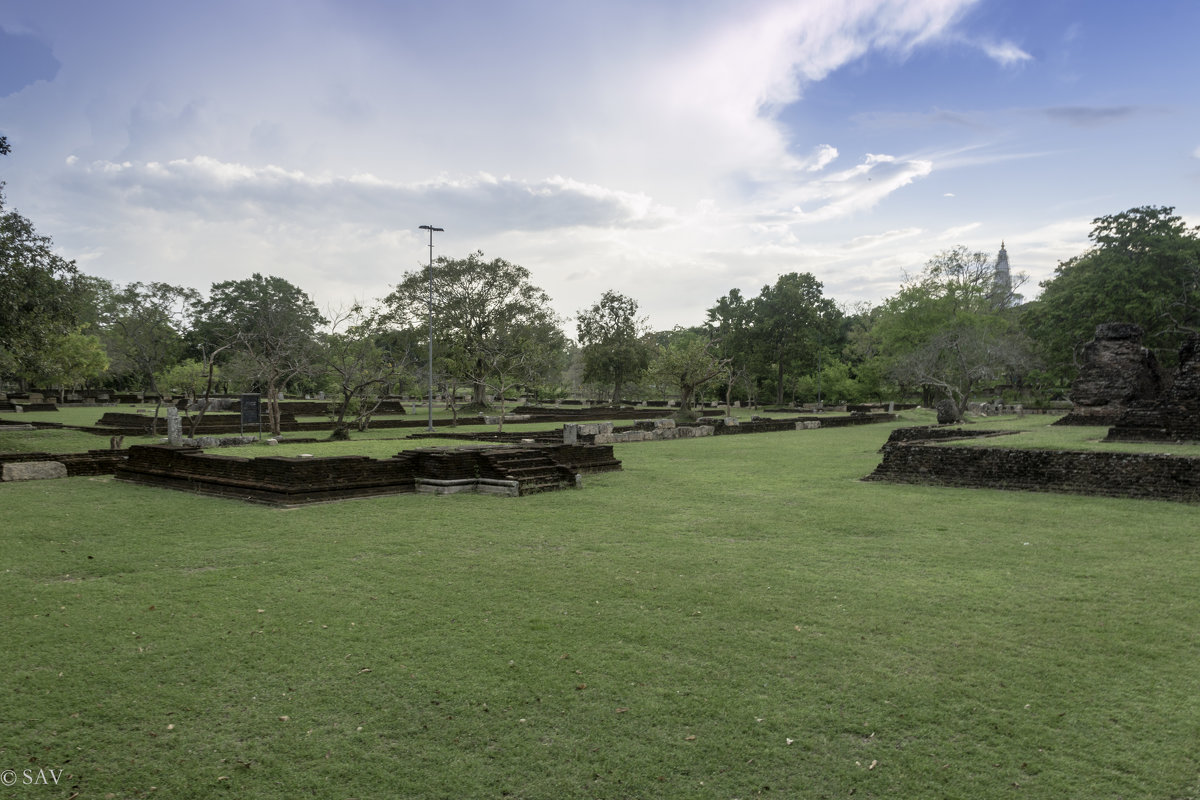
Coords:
519,355
187,378
70,359
687,362
474,303
613,342
39,298
730,325
355,352
269,324
776,335
946,331
1143,267
145,325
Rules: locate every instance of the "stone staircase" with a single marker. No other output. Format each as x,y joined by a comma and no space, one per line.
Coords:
533,470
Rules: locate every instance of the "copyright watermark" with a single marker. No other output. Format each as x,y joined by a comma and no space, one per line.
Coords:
30,777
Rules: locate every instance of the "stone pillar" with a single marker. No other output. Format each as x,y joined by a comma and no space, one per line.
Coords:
174,427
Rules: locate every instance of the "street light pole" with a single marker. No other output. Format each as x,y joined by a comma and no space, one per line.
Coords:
431,229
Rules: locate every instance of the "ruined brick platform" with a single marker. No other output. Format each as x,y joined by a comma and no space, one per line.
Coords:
295,480
910,457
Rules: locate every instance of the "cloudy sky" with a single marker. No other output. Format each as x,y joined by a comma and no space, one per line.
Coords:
671,150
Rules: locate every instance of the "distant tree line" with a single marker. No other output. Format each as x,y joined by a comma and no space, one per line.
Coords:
951,331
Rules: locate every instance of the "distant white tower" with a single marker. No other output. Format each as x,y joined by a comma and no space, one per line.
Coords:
1002,291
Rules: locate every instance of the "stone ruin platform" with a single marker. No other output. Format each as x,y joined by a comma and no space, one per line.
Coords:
911,456
298,480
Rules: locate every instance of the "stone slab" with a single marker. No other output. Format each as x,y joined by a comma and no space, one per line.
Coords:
33,471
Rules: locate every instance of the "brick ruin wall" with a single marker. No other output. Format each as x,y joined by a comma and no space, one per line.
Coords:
89,464
290,481
1173,417
1109,474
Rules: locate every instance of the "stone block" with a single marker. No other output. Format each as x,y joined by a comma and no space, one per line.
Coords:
33,470
605,438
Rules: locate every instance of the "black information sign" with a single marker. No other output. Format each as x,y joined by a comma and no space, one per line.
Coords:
250,409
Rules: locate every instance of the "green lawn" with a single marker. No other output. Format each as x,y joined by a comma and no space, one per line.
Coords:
730,617
1038,432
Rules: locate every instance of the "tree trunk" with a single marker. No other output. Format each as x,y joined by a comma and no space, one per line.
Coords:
273,407
779,384
685,397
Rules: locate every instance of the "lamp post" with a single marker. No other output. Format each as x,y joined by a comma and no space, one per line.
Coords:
431,229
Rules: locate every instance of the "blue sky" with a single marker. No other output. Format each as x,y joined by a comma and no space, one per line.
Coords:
671,151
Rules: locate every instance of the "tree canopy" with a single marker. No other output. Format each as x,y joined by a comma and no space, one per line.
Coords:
270,326
1143,267
947,330
613,342
476,302
39,297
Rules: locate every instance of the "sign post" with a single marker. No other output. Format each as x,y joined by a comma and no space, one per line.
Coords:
250,413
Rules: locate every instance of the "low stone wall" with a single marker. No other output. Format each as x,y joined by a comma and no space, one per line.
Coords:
768,425
1136,475
659,434
91,463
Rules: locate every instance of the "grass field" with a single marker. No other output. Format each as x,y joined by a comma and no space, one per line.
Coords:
730,617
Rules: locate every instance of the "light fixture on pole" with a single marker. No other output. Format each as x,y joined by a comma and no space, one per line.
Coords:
431,229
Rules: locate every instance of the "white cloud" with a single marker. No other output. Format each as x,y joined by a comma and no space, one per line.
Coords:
822,157
856,189
212,190
1006,54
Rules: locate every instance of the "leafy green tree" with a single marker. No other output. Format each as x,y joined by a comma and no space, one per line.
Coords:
1143,267
269,324
772,339
356,353
475,301
71,359
791,319
39,297
188,378
522,354
946,332
145,325
613,342
730,323
687,362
